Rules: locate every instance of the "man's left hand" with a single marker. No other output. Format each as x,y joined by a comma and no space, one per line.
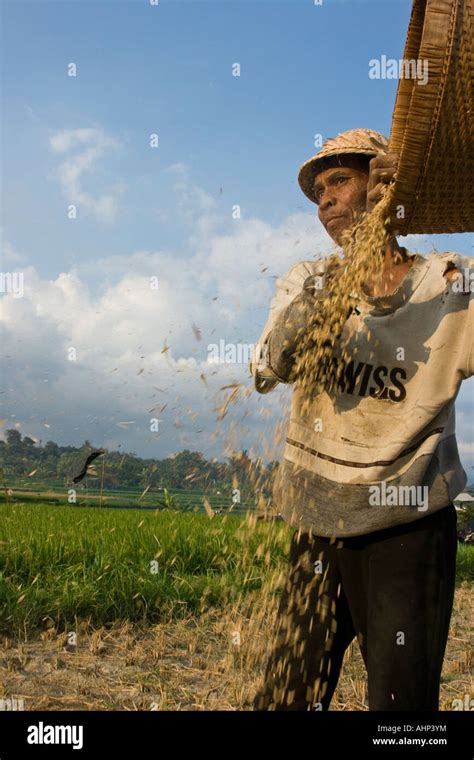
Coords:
382,172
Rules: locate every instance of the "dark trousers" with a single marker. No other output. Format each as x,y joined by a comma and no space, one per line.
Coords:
393,589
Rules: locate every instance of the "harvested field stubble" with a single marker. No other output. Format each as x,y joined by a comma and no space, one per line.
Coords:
192,664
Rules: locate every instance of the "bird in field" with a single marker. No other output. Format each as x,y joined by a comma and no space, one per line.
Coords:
93,455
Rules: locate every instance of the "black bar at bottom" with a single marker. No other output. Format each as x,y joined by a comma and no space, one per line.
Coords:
86,734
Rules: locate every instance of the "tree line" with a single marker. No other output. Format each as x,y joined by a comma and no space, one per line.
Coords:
21,457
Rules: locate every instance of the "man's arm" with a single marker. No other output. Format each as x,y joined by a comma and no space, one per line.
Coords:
459,273
297,292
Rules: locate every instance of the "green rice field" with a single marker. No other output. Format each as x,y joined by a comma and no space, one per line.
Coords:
61,564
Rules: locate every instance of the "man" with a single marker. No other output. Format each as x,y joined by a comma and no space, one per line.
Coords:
369,473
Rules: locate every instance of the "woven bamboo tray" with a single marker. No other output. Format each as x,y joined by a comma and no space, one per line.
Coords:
432,124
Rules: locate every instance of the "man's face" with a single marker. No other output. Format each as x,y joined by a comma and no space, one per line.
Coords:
340,191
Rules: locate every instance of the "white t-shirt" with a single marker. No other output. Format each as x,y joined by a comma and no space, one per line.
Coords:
383,452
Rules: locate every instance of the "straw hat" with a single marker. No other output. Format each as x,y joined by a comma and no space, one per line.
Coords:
365,142
432,124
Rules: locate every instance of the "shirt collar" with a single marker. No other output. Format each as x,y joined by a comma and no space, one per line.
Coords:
400,296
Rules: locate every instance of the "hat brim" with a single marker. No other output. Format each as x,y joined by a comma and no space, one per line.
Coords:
310,168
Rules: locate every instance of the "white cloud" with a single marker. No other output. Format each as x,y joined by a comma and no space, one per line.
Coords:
190,201
66,139
118,334
120,329
90,145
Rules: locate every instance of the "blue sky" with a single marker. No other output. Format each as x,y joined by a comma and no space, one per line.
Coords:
223,140
167,69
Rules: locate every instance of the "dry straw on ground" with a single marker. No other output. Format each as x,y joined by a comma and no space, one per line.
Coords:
193,664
